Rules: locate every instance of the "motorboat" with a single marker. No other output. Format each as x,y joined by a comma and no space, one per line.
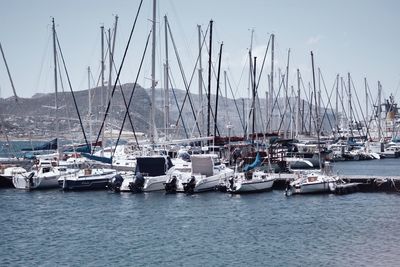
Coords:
7,173
150,174
206,175
87,179
44,175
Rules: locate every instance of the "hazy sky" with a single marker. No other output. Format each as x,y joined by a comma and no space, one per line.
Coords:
359,36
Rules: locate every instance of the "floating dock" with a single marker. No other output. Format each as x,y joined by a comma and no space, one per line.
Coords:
353,183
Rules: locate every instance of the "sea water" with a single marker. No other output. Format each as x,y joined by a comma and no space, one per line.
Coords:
100,228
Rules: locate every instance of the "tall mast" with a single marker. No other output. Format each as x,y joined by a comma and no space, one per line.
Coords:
200,73
250,85
166,80
90,107
316,111
217,94
153,74
298,104
102,83
366,106
254,98
337,102
350,109
55,85
379,111
271,95
9,74
102,66
286,95
209,80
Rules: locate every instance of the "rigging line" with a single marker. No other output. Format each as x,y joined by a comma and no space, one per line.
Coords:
359,105
329,99
234,100
133,91
173,85
72,92
276,101
119,73
124,99
187,86
343,85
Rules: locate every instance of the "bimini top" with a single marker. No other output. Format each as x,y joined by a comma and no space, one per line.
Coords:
153,166
202,164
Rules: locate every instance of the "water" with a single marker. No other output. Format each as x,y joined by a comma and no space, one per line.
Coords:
51,228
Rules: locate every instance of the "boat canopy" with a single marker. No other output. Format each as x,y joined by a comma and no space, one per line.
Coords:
153,166
202,164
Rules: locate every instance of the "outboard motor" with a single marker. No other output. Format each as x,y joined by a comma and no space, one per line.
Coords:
170,185
115,183
189,186
231,183
137,185
30,179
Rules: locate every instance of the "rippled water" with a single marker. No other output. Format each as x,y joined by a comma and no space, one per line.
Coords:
51,228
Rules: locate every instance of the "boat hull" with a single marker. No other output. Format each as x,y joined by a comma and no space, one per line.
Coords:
249,186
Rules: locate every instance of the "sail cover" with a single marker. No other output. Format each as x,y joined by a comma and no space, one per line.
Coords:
52,145
256,163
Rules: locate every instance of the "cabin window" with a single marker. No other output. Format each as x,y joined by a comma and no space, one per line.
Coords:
47,169
312,179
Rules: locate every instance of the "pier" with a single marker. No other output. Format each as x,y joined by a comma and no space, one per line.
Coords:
352,183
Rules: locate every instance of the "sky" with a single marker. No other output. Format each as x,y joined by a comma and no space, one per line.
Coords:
360,37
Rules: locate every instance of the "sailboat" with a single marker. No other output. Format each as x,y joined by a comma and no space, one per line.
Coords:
251,180
321,181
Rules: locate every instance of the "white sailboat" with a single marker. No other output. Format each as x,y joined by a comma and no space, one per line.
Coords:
259,181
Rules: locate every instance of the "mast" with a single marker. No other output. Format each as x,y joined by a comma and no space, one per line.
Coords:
55,86
366,107
286,95
316,111
379,111
153,74
9,74
90,107
217,95
298,104
337,102
350,109
254,98
209,81
271,95
166,81
200,73
102,84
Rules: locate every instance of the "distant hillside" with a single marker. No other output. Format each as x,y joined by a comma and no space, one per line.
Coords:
36,116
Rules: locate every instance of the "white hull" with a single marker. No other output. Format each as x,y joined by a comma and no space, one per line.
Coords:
44,182
252,186
209,183
313,183
154,183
